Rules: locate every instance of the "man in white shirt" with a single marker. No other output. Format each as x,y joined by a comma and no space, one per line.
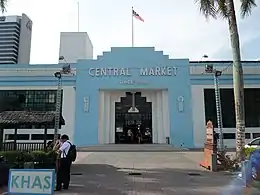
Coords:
63,173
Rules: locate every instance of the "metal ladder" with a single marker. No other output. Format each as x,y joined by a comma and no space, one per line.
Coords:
58,108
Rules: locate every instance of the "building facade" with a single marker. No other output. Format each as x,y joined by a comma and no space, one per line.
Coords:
15,39
169,100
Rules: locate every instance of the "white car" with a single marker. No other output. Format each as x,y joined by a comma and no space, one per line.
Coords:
253,143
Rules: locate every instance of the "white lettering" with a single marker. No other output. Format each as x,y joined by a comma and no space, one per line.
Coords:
116,72
151,72
90,72
122,72
158,71
97,74
104,72
144,72
154,71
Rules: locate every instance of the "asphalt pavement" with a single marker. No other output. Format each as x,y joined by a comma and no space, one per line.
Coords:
144,173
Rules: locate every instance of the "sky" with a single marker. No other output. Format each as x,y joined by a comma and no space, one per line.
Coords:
173,26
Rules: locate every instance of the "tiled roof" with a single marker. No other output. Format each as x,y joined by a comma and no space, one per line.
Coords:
28,117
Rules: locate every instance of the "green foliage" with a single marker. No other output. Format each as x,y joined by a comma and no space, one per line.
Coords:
248,151
17,159
221,8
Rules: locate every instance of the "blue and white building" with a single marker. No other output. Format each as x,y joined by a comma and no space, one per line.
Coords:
170,98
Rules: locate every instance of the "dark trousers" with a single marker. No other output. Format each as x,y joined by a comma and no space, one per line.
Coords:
63,173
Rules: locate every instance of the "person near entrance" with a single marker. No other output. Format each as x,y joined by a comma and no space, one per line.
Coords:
139,134
63,173
130,136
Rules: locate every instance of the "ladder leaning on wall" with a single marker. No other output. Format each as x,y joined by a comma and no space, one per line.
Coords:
66,70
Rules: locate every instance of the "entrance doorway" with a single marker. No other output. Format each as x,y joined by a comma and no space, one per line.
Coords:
133,120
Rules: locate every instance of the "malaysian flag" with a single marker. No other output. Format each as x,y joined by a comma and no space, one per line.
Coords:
137,16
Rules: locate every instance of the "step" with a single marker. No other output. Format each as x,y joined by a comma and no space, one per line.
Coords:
131,148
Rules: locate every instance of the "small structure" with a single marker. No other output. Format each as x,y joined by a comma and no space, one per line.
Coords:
14,119
210,149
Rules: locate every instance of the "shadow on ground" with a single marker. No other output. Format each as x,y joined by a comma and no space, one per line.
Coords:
105,179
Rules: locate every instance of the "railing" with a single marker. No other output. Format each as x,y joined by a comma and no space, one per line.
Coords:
12,146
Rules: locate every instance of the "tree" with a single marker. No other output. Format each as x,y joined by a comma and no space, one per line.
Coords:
3,4
225,9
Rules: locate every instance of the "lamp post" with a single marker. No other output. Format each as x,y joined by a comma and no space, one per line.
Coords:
217,73
64,71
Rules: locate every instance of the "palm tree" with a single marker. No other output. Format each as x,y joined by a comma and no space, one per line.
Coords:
3,4
225,9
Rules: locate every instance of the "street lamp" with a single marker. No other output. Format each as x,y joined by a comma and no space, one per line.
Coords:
217,73
64,71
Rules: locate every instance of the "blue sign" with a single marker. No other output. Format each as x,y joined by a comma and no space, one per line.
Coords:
31,182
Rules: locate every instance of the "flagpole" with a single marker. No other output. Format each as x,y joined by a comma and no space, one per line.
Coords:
132,27
78,15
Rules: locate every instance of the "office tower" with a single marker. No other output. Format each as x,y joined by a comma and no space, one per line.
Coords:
15,39
74,46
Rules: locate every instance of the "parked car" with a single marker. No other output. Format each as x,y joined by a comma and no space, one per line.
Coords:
253,143
255,164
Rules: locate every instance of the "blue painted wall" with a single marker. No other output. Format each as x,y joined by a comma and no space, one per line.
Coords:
86,124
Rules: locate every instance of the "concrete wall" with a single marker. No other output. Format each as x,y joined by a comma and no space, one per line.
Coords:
75,46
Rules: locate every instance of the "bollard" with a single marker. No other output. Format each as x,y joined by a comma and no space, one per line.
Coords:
167,140
213,162
246,172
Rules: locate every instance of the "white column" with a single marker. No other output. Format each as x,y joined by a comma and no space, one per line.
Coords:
154,118
112,117
159,117
162,116
68,111
166,117
101,133
107,117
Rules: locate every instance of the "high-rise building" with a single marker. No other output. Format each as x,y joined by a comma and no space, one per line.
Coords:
75,46
15,39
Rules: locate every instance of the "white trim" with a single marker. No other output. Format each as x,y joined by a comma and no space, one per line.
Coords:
32,71
199,70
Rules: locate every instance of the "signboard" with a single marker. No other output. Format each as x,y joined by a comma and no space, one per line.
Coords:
209,132
31,182
126,72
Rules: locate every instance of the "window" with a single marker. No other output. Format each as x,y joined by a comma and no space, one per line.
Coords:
31,100
233,136
252,107
256,135
256,142
248,135
41,136
19,137
227,105
229,136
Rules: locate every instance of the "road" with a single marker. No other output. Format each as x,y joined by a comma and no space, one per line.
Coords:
156,173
